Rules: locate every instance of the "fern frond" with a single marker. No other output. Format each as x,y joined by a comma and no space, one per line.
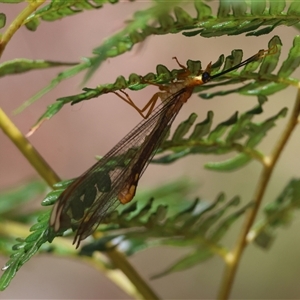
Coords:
272,83
22,65
237,134
261,79
25,249
60,77
2,20
143,224
138,30
11,199
57,10
232,18
278,213
199,226
12,1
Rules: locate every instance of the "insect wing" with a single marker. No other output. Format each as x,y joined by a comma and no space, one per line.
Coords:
91,196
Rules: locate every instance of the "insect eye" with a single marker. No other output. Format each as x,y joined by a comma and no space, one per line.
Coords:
205,77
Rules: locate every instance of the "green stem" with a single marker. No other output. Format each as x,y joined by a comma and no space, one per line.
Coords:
31,154
18,22
120,261
234,257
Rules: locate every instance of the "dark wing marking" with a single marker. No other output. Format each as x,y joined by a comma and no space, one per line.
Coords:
91,196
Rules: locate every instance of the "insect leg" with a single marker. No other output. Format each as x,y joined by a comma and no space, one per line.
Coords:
186,71
150,104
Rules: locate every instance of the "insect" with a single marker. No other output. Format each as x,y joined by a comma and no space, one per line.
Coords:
114,178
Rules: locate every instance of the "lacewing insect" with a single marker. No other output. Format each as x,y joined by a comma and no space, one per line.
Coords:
114,178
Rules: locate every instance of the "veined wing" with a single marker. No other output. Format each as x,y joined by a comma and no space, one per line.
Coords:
114,178
100,189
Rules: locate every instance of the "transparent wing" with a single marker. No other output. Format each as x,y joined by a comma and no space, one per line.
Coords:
100,189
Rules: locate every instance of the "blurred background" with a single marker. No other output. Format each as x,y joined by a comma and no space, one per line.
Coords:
70,141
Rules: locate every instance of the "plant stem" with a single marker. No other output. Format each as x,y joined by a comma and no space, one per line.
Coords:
120,261
31,154
234,257
18,22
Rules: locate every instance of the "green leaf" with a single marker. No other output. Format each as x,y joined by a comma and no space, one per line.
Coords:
186,262
232,19
278,213
224,138
222,228
143,223
183,128
220,129
60,77
229,21
33,24
57,10
260,130
136,31
51,197
11,199
270,61
25,249
264,83
277,7
22,65
165,76
2,20
52,109
231,164
258,7
294,9
198,226
12,1
293,60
